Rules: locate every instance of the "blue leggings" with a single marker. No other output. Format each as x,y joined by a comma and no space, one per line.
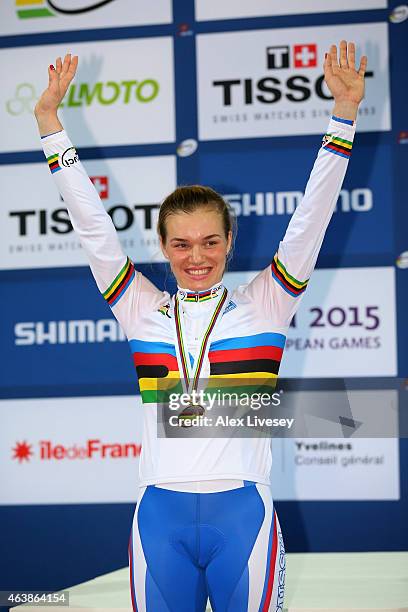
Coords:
187,547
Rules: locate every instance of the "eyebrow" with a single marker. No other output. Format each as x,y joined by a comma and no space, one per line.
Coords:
205,238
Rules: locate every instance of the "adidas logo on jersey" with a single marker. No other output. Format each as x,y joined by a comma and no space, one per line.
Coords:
231,306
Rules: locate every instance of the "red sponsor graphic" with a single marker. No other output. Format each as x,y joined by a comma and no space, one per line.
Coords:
184,29
101,186
22,451
92,449
305,56
403,137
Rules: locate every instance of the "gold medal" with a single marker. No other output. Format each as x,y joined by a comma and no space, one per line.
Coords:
190,412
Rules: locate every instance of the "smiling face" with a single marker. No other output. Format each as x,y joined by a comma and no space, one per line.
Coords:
196,247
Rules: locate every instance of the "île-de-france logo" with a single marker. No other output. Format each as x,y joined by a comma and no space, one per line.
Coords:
22,451
31,9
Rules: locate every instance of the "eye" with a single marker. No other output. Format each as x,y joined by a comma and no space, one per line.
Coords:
181,245
212,242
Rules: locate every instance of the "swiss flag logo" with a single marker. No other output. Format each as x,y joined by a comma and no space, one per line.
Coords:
305,56
101,186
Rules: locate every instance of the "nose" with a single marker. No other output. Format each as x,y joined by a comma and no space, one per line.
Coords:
196,255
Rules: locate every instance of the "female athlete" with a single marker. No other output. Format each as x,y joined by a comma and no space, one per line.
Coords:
205,524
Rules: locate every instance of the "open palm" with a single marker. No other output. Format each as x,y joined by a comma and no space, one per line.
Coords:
59,80
346,84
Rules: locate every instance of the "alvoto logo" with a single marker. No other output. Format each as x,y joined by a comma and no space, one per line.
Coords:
105,93
109,92
33,9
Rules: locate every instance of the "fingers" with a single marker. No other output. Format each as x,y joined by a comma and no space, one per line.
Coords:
347,58
333,59
351,53
66,64
73,67
52,75
327,65
343,54
65,70
363,66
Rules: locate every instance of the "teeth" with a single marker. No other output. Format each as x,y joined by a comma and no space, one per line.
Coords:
199,272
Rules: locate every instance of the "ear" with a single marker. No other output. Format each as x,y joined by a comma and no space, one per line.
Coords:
229,241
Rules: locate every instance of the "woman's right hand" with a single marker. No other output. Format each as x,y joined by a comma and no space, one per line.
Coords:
59,79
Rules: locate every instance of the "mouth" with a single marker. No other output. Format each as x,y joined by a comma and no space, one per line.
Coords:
198,272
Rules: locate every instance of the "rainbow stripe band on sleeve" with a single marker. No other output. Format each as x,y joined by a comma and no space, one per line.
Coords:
118,287
285,280
338,146
53,163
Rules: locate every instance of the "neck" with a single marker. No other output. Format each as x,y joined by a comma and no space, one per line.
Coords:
199,295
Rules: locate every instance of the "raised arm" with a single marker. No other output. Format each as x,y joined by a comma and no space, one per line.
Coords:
295,259
114,272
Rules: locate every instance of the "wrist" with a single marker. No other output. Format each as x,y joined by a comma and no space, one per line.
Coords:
345,110
47,121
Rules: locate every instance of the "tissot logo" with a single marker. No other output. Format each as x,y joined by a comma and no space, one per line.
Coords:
48,450
277,57
304,56
43,222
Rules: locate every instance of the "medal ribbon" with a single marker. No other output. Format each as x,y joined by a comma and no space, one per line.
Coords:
191,379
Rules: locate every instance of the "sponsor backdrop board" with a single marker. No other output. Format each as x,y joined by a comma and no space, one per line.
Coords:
27,16
123,93
270,82
208,10
68,338
263,190
86,450
70,450
265,187
336,468
34,225
345,327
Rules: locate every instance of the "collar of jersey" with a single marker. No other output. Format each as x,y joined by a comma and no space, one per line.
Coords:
187,296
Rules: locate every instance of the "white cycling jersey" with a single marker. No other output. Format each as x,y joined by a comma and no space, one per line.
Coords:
249,338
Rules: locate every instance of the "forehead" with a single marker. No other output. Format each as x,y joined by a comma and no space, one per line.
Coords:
201,222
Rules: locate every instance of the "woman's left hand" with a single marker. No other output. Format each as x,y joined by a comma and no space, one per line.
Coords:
346,84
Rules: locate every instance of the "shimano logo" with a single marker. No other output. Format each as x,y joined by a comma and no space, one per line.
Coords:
285,202
67,332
